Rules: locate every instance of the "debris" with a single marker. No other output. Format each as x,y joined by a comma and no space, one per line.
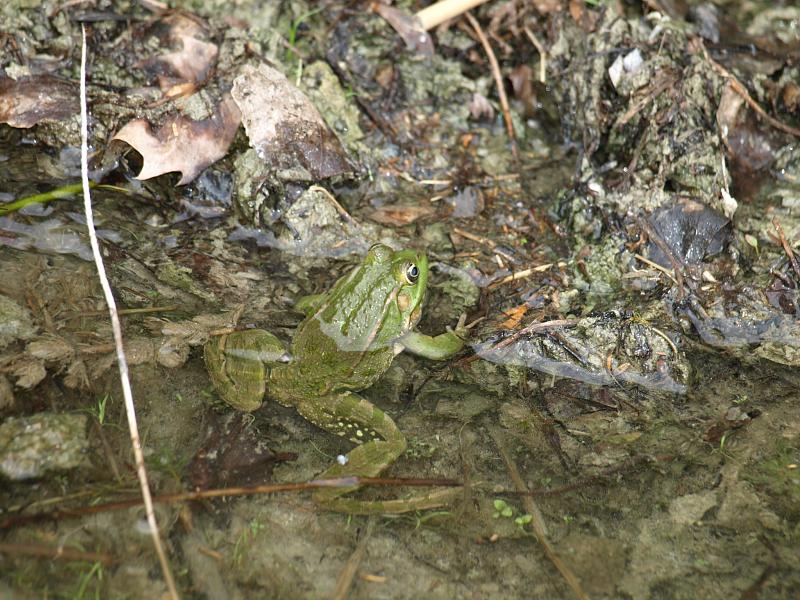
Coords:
15,322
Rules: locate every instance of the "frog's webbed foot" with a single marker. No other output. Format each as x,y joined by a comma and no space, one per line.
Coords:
349,415
238,364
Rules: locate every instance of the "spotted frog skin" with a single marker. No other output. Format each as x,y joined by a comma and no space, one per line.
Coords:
347,341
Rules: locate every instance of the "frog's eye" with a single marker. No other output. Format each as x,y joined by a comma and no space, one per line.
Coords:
412,273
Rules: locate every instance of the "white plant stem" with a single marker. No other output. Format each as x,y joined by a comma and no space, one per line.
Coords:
127,393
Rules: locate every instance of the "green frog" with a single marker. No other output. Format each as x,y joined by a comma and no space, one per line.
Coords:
347,341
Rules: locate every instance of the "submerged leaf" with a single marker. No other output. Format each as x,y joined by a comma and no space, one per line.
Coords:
30,100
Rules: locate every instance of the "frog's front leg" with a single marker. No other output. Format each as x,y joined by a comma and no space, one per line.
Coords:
437,347
380,444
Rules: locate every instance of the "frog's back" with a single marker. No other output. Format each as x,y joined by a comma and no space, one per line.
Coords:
349,342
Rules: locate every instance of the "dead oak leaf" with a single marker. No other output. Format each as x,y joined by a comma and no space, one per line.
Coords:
40,98
184,68
182,144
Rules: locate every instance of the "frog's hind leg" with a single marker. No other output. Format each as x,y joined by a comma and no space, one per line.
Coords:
380,444
238,364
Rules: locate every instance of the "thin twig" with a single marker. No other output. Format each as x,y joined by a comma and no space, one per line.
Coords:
665,337
345,581
677,266
339,208
542,54
656,266
475,237
739,88
537,523
55,552
439,12
117,329
787,248
65,513
498,80
125,311
530,328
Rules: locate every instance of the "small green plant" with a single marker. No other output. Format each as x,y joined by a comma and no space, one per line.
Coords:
294,27
247,536
502,509
96,572
99,411
523,520
423,517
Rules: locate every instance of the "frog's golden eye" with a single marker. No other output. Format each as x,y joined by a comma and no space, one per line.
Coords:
411,273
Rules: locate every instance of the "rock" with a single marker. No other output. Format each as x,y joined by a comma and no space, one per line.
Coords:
15,322
32,446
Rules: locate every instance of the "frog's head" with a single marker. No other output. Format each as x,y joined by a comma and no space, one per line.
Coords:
409,269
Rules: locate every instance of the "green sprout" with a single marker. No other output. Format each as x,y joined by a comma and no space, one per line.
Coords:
502,509
523,520
294,27
248,534
67,191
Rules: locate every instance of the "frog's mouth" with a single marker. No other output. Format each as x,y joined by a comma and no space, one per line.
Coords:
403,301
416,314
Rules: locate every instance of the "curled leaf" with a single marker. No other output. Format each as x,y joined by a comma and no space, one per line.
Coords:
182,144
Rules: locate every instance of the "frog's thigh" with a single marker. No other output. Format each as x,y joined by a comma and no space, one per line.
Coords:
237,364
309,304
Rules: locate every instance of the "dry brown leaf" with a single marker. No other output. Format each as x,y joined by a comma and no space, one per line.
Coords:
183,69
77,377
29,372
583,15
182,144
179,72
400,215
6,393
514,316
284,127
31,100
480,107
50,348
